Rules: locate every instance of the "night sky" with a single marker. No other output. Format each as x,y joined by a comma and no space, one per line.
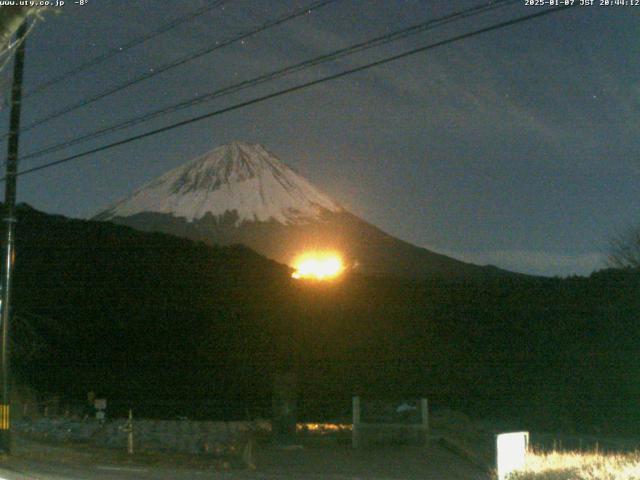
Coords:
518,147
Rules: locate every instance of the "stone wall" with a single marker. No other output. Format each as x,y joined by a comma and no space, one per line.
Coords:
183,436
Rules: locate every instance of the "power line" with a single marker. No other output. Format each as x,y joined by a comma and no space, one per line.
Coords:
156,71
375,42
297,88
14,46
123,48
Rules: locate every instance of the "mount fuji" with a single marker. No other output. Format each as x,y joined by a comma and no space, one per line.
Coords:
243,194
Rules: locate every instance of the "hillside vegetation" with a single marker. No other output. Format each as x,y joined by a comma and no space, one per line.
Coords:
141,317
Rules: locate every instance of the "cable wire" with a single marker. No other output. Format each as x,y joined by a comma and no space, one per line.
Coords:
156,71
15,45
375,42
296,88
123,48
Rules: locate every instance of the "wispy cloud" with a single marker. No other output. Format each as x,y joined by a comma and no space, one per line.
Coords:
534,262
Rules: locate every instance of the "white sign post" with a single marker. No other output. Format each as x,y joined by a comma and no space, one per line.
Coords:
511,450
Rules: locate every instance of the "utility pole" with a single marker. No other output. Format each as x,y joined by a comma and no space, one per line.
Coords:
10,219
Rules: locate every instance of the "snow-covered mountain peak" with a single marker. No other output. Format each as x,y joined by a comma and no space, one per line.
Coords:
238,177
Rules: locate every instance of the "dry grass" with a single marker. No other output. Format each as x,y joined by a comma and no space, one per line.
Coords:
579,466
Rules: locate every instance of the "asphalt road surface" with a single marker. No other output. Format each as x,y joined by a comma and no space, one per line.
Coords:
333,463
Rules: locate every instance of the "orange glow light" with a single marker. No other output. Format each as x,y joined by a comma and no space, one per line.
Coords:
318,266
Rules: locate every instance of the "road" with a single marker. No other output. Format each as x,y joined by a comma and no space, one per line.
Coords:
332,463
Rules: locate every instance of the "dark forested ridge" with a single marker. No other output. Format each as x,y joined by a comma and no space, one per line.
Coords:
139,317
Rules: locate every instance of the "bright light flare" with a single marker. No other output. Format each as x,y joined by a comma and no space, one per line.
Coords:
318,266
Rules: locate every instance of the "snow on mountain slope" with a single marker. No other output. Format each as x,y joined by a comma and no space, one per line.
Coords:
237,177
242,194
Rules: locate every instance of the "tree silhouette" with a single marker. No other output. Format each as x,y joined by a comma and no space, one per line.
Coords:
625,249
